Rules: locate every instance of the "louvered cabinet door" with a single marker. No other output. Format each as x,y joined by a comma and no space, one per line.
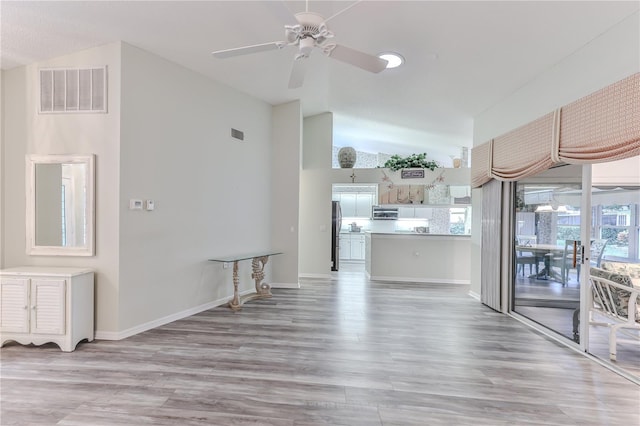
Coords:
48,306
14,305
41,304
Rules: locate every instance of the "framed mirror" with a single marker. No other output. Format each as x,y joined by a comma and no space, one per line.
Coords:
60,205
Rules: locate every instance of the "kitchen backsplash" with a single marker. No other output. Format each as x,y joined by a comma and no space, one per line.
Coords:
439,223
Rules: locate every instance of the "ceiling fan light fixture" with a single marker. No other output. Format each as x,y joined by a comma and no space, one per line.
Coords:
393,59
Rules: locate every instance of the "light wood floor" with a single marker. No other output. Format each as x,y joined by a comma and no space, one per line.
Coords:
339,352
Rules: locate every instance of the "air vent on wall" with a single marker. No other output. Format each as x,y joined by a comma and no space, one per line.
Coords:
73,90
237,134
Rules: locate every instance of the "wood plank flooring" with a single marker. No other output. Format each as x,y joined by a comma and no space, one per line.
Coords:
337,352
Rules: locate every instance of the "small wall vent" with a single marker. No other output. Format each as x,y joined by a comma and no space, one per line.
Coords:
73,90
237,134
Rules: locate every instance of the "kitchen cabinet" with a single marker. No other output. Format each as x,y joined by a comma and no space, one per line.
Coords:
345,246
406,212
351,246
355,204
45,304
415,212
364,203
423,213
357,246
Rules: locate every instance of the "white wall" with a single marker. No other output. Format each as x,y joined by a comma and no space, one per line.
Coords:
610,57
317,141
315,197
210,190
27,132
167,139
286,161
2,169
621,172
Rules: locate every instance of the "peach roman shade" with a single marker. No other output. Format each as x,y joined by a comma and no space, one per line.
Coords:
523,151
480,168
601,127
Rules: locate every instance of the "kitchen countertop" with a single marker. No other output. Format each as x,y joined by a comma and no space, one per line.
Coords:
403,233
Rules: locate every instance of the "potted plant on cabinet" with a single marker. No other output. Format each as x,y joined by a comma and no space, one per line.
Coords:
414,161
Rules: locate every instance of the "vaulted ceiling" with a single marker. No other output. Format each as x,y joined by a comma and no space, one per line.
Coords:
461,56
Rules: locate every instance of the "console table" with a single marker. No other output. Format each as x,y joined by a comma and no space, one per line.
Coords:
258,260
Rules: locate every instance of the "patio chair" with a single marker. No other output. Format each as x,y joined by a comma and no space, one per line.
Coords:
566,261
524,257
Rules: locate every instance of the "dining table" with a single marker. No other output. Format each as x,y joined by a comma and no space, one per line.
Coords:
544,252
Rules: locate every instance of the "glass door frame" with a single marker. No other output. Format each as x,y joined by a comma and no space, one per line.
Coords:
585,236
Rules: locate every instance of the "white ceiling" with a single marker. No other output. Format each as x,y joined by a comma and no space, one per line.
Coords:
461,57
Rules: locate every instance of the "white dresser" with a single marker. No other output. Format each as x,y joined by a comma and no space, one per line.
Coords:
46,304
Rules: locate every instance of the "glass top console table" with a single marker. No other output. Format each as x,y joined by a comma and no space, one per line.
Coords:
258,261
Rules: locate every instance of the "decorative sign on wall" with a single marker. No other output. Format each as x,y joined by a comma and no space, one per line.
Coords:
401,194
412,173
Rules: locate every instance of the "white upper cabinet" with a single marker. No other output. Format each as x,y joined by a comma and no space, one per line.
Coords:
406,212
356,204
364,203
356,200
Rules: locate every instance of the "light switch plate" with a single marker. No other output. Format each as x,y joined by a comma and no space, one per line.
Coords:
135,204
149,205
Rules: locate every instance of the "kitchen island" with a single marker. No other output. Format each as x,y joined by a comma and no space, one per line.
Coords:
415,257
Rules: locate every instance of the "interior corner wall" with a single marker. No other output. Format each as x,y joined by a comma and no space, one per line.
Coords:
27,132
2,168
607,59
286,161
315,197
317,141
610,57
475,288
212,193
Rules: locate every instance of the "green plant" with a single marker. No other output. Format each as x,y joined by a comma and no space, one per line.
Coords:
413,161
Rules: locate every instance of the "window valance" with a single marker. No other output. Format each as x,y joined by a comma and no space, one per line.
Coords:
601,127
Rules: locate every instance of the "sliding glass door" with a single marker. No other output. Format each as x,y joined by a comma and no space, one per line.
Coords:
563,226
547,250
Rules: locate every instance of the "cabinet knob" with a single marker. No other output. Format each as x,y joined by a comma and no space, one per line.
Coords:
33,307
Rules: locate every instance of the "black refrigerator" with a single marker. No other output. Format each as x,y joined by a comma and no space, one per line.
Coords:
336,224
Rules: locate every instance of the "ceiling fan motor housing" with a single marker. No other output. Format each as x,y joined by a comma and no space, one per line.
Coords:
311,25
306,45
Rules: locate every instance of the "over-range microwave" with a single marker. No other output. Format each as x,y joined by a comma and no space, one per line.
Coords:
384,213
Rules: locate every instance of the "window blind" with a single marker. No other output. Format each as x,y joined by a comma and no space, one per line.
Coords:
601,127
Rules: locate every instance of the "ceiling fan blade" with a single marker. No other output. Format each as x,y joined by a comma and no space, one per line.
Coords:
355,57
298,70
246,50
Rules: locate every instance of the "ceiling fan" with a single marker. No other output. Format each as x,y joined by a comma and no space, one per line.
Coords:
310,32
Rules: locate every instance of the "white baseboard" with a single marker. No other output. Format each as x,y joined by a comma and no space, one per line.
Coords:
284,285
119,335
316,276
419,280
474,295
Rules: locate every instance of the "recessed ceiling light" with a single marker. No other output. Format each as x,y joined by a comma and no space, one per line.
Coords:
393,59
